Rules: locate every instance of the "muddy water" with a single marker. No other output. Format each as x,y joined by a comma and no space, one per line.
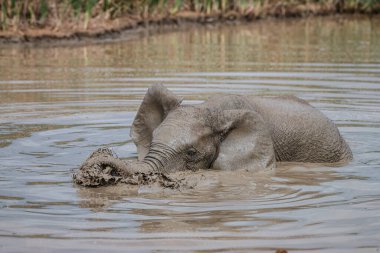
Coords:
58,104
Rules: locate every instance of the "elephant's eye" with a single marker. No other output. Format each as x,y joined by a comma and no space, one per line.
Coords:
191,152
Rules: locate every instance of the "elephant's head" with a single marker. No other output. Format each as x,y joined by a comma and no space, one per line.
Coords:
171,137
223,134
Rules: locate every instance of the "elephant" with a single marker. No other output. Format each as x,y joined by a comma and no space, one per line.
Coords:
228,132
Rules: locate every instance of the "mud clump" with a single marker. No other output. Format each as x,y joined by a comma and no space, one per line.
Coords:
96,171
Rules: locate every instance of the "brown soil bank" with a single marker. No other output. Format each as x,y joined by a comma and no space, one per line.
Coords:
42,20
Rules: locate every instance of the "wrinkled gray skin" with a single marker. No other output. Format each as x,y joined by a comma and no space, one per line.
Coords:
230,132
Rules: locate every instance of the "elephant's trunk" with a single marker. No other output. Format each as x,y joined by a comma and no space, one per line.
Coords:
104,167
129,168
161,158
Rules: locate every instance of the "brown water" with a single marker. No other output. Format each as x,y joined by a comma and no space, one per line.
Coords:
58,104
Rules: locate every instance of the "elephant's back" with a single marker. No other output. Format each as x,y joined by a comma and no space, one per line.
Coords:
300,132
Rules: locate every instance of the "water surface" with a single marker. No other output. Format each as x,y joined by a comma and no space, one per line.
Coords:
58,104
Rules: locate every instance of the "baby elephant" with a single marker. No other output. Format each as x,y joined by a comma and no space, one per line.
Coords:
228,133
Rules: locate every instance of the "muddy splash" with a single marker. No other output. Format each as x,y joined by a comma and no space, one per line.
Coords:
95,172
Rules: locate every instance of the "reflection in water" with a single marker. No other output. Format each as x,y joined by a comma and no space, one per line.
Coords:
58,104
288,185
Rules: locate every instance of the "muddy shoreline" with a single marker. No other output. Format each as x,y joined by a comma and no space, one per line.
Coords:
100,29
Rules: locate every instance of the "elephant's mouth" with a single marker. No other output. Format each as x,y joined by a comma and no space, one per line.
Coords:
103,167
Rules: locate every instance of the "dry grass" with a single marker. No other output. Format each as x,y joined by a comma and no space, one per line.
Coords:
68,17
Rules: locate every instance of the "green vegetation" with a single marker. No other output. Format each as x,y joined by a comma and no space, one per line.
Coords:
52,13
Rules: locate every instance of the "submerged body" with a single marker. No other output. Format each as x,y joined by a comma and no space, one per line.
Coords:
300,132
226,133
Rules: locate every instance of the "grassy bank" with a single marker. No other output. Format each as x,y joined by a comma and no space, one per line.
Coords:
27,19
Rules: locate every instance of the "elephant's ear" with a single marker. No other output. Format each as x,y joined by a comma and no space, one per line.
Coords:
246,141
157,103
